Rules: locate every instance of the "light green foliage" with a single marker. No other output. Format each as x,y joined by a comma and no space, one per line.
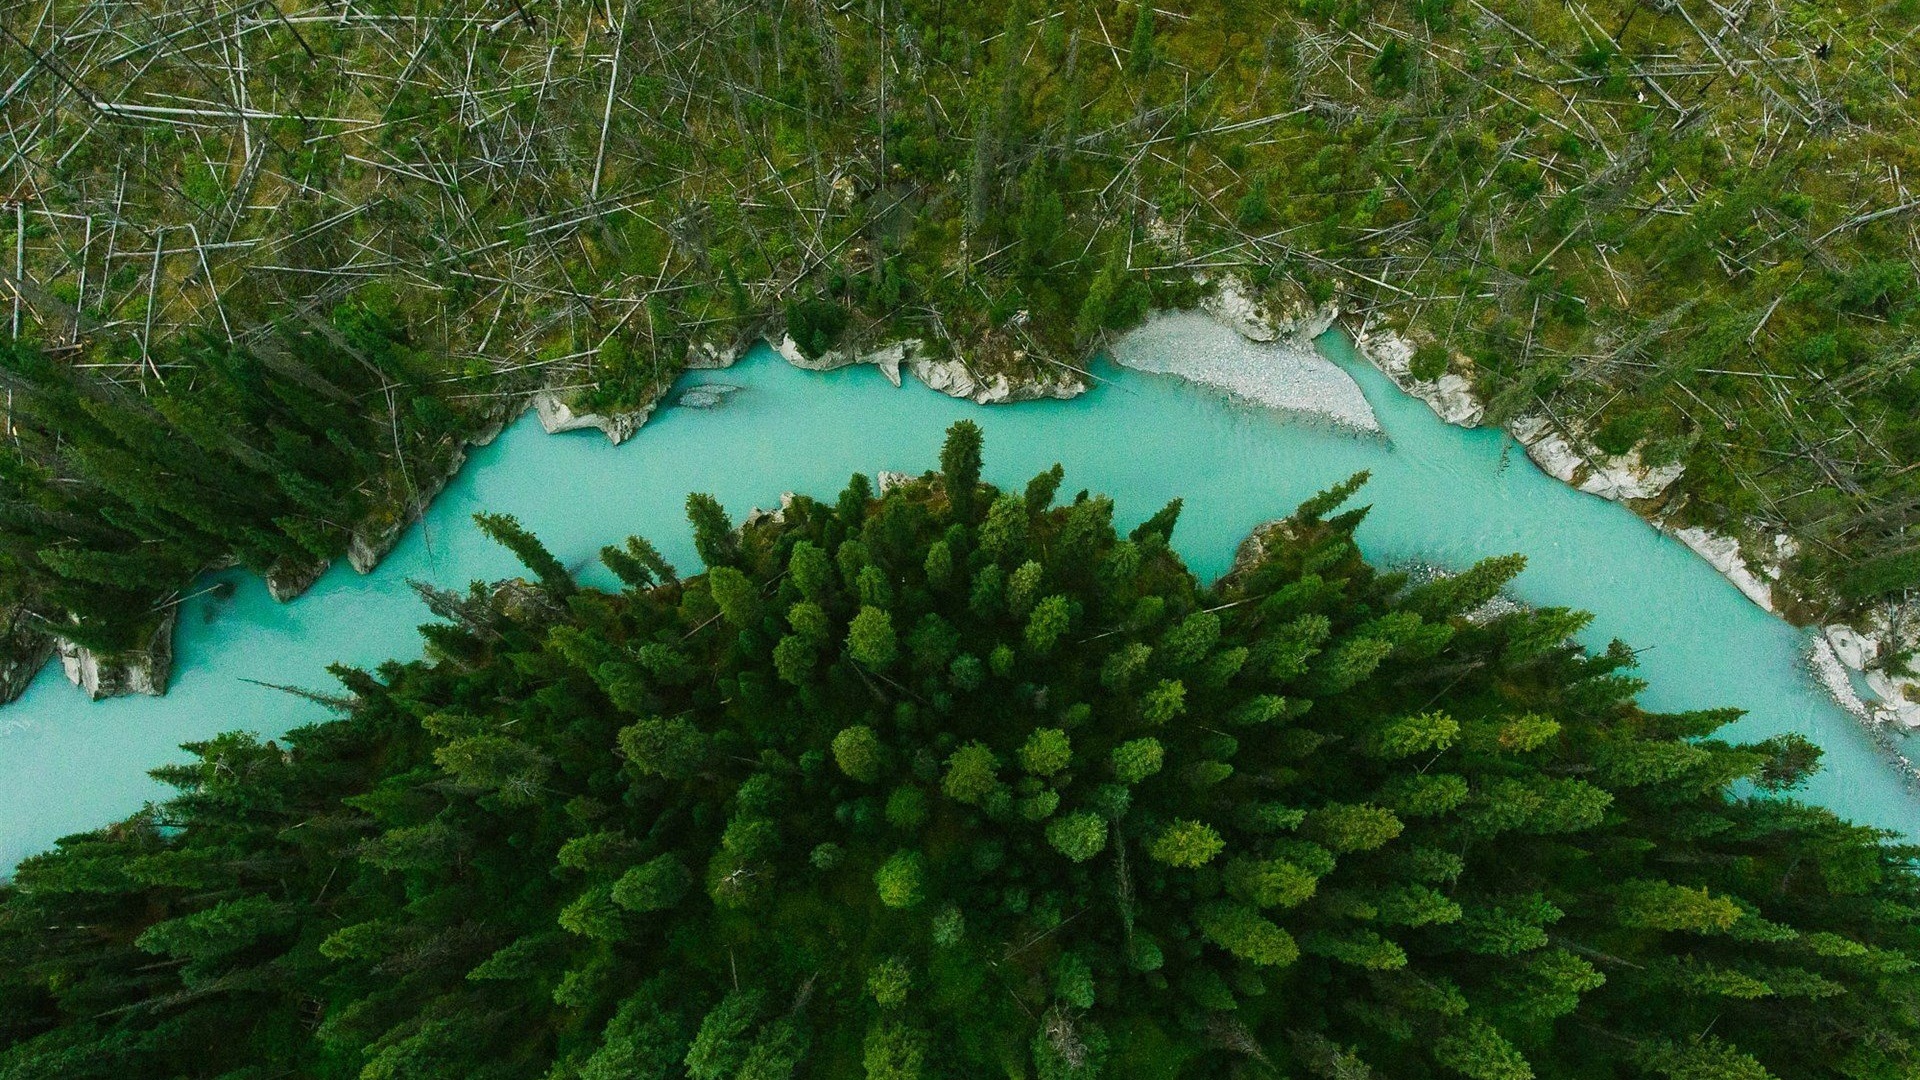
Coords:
949,926
971,774
1269,882
720,1046
671,748
1660,905
1023,589
1079,835
1164,701
1186,844
1344,827
938,564
889,981
1038,806
738,597
870,638
811,570
1073,981
901,880
1408,735
894,1051
1478,1050
1123,663
1051,618
593,914
1004,534
1046,752
1137,759
858,752
811,623
1243,932
1425,795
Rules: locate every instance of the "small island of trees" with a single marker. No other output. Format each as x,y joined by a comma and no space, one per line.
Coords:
955,781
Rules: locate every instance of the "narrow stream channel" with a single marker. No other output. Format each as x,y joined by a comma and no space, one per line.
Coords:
1442,495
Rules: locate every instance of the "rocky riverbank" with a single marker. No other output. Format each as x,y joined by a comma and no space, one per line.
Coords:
1863,647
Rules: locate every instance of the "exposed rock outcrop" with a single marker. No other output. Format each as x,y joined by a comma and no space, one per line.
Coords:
373,539
952,377
1863,651
557,416
1723,553
285,582
1565,457
1450,396
24,649
1278,313
139,671
715,355
887,357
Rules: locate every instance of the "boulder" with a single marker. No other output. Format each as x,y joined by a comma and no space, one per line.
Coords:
24,650
284,581
887,357
952,378
139,671
1450,396
1723,553
557,416
1851,647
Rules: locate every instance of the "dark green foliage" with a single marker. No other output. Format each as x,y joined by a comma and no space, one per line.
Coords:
1219,836
508,533
815,325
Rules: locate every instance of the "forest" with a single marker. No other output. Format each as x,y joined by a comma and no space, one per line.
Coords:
361,234
955,781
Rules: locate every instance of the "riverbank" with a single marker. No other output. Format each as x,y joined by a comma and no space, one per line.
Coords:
1272,365
1441,495
1861,643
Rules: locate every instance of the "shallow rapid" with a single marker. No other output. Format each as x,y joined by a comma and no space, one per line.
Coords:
1442,496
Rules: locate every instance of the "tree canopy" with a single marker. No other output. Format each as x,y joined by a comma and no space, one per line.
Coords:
824,811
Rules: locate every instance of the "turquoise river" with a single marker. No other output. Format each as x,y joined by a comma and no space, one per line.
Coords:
1442,495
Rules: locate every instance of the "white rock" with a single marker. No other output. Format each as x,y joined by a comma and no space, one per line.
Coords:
24,650
556,416
951,377
369,545
1828,668
1895,705
1450,396
1850,646
1548,448
1625,477
1616,477
1723,552
887,358
283,584
891,480
1230,304
713,355
142,671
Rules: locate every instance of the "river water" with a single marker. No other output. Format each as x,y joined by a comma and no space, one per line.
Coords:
1442,495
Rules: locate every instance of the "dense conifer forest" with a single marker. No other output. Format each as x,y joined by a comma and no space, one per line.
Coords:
1681,230
956,781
